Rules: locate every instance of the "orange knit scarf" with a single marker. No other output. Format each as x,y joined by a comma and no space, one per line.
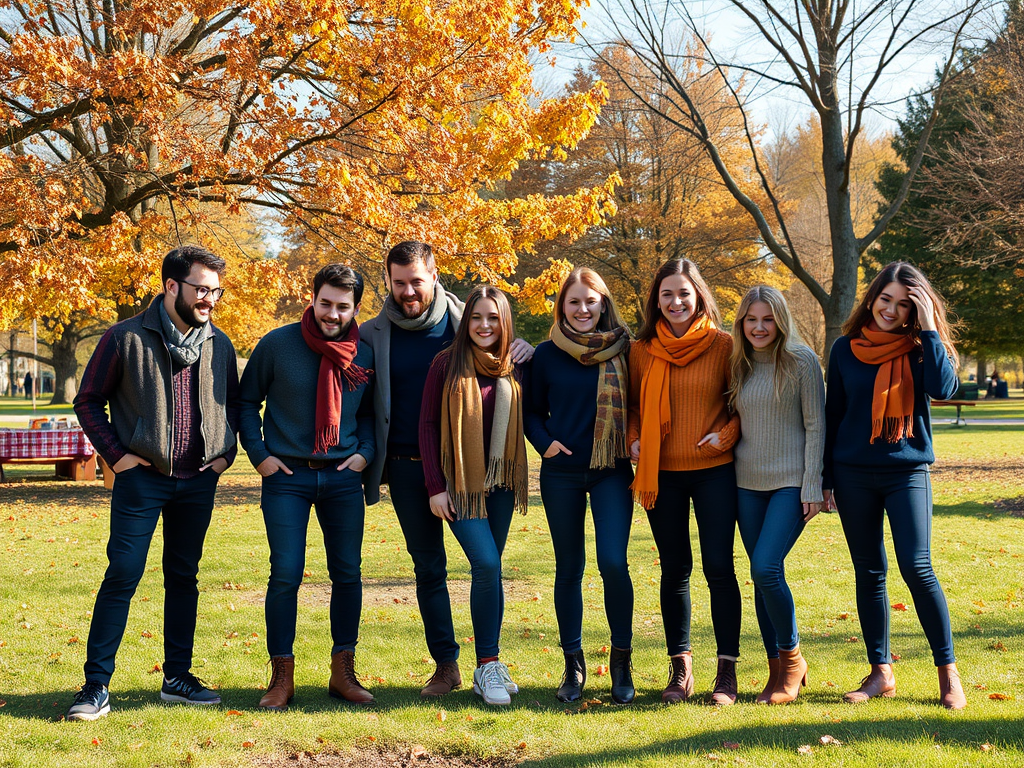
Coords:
655,407
892,405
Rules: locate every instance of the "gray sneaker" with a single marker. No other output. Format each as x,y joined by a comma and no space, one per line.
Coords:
91,703
188,689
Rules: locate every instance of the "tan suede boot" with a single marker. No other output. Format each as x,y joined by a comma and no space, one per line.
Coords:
792,677
282,684
879,682
951,692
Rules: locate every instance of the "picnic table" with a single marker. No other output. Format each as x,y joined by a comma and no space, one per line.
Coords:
69,450
959,404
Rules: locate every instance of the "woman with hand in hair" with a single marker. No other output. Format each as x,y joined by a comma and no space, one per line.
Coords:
474,463
778,392
576,419
682,434
895,353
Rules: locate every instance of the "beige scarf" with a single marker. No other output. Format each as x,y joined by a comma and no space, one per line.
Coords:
462,436
606,349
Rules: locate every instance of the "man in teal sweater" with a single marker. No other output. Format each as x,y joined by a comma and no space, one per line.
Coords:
314,438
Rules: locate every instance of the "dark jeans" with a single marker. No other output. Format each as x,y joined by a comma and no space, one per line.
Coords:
424,538
713,491
286,501
863,497
140,496
564,492
483,541
770,523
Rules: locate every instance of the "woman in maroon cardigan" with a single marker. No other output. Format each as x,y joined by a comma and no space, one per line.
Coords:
474,463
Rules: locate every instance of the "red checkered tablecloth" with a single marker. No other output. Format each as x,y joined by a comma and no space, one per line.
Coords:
44,443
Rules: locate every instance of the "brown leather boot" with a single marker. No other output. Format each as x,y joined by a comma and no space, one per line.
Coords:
951,692
680,679
792,677
724,692
446,678
282,683
879,682
773,676
343,683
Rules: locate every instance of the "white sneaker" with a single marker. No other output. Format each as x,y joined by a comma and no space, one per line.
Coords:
489,682
506,678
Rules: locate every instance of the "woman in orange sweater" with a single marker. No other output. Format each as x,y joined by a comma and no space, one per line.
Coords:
681,434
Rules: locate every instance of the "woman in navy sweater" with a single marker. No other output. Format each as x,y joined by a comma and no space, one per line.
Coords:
575,416
895,354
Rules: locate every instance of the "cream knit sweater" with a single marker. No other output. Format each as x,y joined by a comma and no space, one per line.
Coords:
782,440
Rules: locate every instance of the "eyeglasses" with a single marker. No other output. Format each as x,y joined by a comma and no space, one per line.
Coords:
202,291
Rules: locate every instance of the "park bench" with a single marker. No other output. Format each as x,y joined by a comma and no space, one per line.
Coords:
959,404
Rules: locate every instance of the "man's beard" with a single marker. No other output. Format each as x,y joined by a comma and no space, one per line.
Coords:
341,331
187,312
410,313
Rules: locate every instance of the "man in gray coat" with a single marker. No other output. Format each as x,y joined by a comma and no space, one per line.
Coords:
418,320
170,381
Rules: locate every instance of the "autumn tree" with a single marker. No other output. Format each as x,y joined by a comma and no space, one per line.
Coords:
670,202
833,56
389,120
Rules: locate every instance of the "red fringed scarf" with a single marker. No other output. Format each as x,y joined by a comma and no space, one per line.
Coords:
336,374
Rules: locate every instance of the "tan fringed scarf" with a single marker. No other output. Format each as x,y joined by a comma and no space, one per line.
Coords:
892,402
655,408
606,349
462,436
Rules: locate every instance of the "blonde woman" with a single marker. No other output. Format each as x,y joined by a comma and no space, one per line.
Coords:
474,463
576,419
778,392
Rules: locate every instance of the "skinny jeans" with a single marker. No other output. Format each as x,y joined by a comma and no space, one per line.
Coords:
713,491
483,541
770,523
564,491
863,497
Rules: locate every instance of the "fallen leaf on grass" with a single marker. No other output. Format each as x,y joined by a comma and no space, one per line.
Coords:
72,640
232,712
986,747
418,752
713,756
601,670
248,744
521,745
805,749
899,606
731,744
826,740
156,668
441,716
96,741
999,697
146,633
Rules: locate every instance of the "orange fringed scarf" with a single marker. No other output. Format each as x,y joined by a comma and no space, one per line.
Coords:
892,405
655,408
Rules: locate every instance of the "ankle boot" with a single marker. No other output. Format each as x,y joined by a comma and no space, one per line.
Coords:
680,679
573,678
344,684
879,682
951,692
620,668
792,676
724,692
282,684
773,676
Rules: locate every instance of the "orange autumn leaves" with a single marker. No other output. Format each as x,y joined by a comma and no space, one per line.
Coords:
370,121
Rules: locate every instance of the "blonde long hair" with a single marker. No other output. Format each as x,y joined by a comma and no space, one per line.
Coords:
786,363
610,317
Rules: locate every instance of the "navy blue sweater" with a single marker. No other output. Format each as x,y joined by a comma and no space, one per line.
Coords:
412,352
851,386
561,404
283,370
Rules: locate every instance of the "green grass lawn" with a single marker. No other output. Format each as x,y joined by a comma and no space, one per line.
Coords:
1012,408
53,536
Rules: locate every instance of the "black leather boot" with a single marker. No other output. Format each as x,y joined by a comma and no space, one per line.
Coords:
620,668
575,676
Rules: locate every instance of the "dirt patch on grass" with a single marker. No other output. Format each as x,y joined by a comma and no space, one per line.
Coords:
378,758
990,470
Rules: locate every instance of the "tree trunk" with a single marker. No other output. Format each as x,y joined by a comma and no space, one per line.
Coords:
65,366
982,361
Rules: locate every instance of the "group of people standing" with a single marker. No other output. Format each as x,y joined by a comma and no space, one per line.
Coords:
436,398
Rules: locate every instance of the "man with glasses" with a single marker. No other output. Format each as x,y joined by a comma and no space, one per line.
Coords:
170,381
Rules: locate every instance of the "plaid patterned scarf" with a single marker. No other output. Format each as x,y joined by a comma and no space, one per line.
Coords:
607,349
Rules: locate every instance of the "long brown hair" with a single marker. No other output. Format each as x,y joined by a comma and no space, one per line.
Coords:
786,363
461,343
911,277
706,305
610,317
